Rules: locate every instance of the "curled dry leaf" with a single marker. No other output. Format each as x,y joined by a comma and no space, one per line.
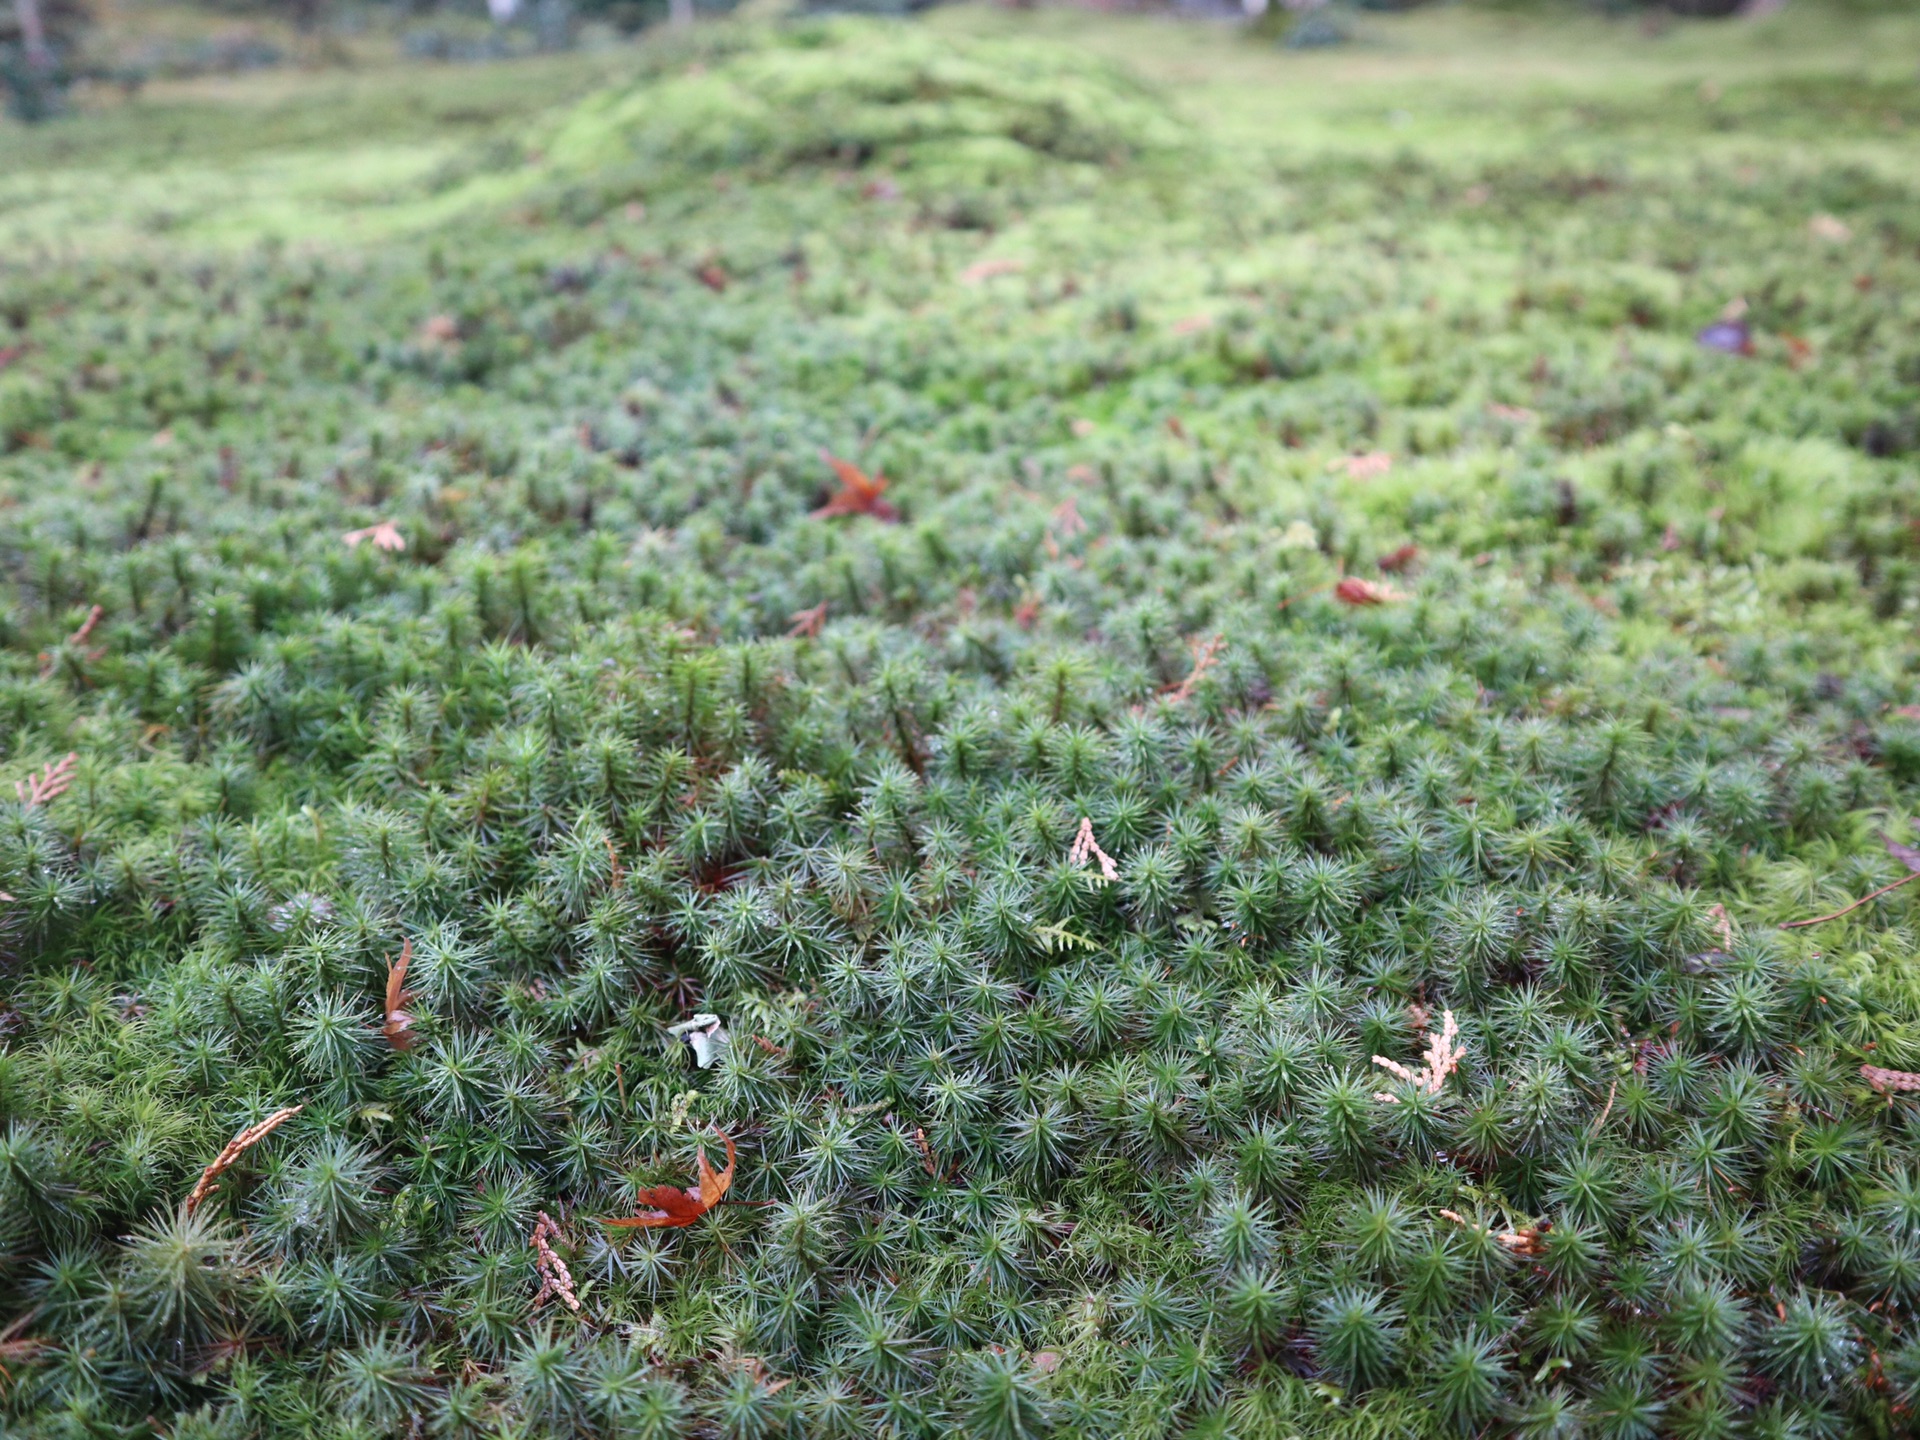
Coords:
668,1207
399,1024
704,1035
1355,591
859,493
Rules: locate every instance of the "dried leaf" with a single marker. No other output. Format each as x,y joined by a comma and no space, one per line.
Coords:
1394,562
1355,591
399,1024
1369,466
859,493
666,1207
1829,227
704,1035
1905,854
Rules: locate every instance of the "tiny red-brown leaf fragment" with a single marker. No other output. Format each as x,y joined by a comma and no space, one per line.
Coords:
859,493
668,1207
1396,561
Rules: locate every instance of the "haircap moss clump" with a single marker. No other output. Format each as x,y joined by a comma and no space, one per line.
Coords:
856,93
1247,900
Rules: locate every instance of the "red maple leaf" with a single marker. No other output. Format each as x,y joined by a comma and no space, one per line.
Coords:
667,1206
859,494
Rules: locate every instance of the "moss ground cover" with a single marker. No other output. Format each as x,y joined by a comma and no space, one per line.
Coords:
1056,838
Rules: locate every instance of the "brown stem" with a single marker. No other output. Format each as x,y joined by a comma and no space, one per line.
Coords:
1848,910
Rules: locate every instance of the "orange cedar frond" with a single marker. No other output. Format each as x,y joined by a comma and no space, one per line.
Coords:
668,1207
1888,1081
50,784
555,1278
236,1147
385,535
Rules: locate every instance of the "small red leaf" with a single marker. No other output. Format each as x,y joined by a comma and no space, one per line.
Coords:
667,1207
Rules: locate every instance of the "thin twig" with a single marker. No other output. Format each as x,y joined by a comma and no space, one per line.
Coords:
1848,910
1607,1109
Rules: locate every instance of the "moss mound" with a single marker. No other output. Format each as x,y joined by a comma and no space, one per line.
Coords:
849,92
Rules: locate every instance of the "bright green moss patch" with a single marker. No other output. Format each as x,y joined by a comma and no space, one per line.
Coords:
624,733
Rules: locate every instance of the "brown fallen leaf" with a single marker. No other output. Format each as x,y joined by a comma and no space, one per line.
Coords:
399,1026
1355,591
668,1207
1830,227
859,493
713,277
439,330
